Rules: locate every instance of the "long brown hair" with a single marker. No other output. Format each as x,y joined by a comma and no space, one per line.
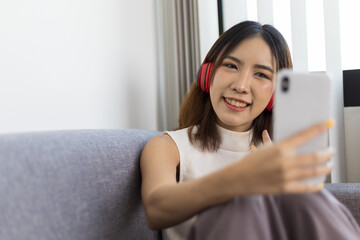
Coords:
196,109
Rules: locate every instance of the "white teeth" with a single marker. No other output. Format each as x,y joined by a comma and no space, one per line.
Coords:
235,103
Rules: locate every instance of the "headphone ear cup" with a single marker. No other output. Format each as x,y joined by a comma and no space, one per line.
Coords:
203,76
270,105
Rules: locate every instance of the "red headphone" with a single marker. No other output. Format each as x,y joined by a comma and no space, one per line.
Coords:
203,81
203,76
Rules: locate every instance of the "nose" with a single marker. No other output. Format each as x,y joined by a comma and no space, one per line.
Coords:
241,82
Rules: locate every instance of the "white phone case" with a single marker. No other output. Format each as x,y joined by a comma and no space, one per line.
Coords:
300,103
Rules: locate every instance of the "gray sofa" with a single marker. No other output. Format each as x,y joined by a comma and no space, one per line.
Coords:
84,185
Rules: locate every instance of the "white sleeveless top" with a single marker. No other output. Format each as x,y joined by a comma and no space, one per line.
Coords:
195,163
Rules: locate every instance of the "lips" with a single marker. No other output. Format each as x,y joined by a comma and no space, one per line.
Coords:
236,103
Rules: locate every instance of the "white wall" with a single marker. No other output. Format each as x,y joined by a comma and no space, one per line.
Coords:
352,136
75,64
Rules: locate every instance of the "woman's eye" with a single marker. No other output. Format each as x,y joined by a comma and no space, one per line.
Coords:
262,75
229,65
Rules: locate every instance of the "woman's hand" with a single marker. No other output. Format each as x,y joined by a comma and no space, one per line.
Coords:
277,168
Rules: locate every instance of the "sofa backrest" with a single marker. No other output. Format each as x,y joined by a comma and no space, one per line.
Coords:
75,184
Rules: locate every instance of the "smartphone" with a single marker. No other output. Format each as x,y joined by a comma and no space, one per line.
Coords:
301,100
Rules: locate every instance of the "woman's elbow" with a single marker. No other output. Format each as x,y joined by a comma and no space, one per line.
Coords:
152,218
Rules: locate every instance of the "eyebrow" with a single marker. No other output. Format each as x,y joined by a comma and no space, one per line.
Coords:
256,65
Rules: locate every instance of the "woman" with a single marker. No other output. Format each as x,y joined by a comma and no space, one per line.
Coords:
207,161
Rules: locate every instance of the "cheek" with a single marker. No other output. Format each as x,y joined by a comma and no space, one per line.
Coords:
263,93
217,81
265,88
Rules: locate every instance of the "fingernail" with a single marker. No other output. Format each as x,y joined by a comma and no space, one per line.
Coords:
330,123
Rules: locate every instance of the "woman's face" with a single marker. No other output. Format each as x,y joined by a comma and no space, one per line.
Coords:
243,84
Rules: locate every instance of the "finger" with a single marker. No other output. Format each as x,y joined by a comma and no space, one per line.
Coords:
312,159
266,138
308,172
299,187
305,135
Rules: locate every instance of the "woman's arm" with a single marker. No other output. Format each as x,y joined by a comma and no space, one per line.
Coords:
271,169
167,202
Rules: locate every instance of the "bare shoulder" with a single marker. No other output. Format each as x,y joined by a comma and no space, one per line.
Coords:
161,147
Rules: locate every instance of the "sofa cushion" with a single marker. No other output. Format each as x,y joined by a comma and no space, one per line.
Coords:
76,184
349,195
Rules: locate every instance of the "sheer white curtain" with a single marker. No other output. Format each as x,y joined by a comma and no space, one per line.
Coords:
334,69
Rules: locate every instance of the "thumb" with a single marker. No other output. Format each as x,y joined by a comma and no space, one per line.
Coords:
266,138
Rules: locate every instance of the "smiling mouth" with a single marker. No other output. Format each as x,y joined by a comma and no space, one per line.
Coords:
235,103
